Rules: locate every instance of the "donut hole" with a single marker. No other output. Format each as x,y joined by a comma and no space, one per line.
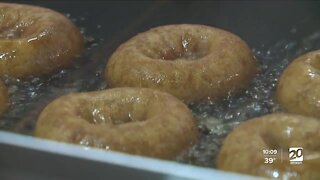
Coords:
270,141
8,24
113,112
10,33
190,49
187,47
12,26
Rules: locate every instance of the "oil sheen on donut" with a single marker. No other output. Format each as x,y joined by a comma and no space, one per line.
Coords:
298,90
242,150
132,120
35,41
191,62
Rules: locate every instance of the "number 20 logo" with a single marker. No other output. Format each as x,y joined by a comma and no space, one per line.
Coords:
295,154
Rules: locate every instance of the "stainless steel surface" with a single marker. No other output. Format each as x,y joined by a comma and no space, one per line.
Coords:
26,157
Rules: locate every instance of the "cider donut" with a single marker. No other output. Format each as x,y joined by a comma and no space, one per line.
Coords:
3,98
243,149
132,120
298,90
35,41
191,62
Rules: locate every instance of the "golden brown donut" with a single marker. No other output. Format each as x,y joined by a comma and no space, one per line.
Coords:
242,150
299,86
132,120
3,97
192,62
35,41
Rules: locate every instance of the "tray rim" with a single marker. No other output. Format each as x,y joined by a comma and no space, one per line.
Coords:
170,168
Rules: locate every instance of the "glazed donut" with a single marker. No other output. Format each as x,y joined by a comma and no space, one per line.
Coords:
242,150
35,41
298,90
132,120
192,62
3,97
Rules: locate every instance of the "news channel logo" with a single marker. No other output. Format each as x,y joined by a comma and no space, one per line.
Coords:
295,155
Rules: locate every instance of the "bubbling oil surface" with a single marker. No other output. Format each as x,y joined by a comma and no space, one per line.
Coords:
215,119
